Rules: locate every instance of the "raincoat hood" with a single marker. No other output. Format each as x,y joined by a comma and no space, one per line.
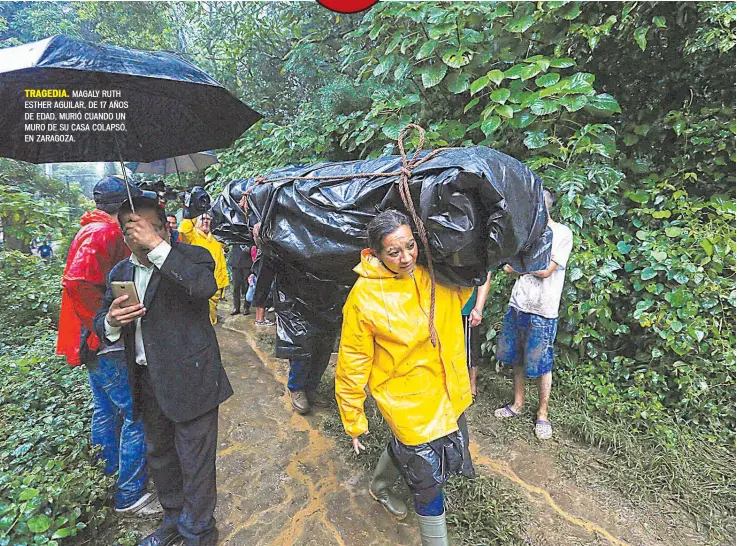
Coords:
97,215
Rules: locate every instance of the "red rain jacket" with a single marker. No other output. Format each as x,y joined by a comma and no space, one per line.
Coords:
96,248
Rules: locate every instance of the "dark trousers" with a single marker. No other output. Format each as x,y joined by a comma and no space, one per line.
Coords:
240,287
181,458
264,281
305,375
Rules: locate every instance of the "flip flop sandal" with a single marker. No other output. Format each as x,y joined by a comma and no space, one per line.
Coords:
505,413
543,429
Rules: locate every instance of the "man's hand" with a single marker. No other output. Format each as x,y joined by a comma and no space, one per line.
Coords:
508,269
475,317
118,316
243,203
139,233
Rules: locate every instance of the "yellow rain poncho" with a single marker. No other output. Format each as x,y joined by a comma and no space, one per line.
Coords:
192,235
421,390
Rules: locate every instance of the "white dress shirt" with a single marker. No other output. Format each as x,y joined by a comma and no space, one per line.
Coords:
141,278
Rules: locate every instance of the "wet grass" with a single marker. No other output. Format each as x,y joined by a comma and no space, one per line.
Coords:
483,511
691,481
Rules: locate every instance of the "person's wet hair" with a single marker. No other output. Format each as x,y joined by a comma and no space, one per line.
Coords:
385,223
141,204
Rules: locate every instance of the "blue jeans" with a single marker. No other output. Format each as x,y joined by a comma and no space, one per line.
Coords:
306,375
113,428
527,340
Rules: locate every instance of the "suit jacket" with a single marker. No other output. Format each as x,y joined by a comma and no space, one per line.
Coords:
239,257
182,350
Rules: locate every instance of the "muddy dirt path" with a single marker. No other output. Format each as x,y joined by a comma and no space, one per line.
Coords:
283,482
280,482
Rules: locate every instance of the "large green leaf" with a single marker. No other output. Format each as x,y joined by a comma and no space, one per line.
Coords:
547,80
505,111
471,104
479,84
604,102
457,58
573,103
521,24
495,75
500,95
542,107
641,37
535,139
401,70
522,120
39,523
530,71
457,82
491,125
427,49
433,75
515,72
562,62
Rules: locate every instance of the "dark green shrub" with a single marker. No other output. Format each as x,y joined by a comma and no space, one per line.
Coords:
50,486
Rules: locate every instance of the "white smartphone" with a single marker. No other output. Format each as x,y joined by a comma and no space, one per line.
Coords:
125,288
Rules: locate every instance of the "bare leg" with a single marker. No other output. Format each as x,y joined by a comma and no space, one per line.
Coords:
472,372
519,388
260,311
545,382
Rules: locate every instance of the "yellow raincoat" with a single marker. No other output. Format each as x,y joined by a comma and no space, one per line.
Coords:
192,235
421,390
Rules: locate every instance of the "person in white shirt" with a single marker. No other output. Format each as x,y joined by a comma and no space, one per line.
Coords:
530,325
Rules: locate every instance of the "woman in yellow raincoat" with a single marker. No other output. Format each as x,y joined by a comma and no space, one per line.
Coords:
199,234
421,390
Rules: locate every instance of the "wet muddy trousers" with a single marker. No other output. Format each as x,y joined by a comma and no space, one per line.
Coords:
431,516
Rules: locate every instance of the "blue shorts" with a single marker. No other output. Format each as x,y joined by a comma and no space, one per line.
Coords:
527,339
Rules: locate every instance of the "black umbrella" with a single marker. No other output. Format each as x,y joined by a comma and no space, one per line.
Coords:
170,107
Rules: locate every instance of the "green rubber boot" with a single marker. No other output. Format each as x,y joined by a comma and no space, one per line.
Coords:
433,531
385,474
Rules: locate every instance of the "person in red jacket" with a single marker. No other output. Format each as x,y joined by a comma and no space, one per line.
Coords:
96,248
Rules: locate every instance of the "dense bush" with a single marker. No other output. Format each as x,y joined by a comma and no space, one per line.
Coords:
31,291
50,486
626,109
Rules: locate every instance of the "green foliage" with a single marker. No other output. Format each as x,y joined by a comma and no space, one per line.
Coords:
33,205
50,488
31,292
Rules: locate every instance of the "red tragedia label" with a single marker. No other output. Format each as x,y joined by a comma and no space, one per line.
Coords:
347,6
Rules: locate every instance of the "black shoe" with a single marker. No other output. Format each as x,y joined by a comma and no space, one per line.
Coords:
235,312
161,537
247,311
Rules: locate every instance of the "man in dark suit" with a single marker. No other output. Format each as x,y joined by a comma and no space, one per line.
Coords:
176,376
240,262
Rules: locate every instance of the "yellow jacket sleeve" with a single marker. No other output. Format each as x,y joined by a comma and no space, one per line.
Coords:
355,358
187,231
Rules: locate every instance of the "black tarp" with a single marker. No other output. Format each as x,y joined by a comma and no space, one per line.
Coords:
481,208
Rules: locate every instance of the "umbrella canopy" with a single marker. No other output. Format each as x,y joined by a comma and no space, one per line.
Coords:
171,107
181,164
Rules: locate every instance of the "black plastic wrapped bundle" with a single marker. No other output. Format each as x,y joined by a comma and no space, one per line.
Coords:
481,208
